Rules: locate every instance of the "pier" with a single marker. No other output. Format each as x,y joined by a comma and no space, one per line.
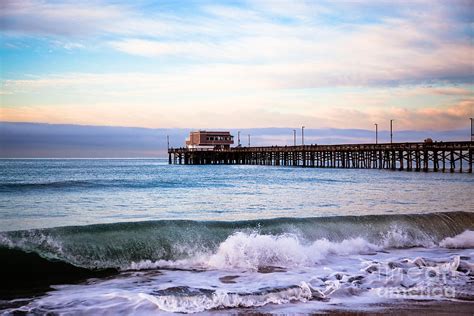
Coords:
425,156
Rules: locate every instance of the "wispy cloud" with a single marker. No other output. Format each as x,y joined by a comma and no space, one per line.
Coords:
453,91
34,18
305,52
392,51
151,102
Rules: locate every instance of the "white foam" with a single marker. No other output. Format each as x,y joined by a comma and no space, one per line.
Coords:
5,241
405,274
251,251
224,299
196,262
464,240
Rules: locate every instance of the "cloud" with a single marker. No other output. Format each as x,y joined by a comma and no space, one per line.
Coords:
397,51
42,18
90,20
153,48
243,111
449,117
295,42
452,91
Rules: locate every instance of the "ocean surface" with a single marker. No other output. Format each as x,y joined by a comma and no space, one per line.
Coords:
110,236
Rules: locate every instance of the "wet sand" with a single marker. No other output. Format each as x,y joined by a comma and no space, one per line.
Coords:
414,308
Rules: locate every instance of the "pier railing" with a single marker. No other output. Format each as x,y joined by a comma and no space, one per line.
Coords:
436,156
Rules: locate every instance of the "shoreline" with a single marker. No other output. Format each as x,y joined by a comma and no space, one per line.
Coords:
413,308
399,307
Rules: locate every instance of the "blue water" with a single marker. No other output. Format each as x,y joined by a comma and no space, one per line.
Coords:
40,193
230,239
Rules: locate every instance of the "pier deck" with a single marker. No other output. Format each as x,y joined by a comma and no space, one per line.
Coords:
435,156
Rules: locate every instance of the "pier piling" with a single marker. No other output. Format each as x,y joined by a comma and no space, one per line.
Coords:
457,156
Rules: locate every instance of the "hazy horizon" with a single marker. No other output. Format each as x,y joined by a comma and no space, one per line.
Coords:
41,140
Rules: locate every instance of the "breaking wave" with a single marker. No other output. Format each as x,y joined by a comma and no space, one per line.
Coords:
240,244
33,260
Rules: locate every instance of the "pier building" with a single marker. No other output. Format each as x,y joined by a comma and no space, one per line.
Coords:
209,140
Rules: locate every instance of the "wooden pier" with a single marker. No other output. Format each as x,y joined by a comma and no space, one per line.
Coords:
429,156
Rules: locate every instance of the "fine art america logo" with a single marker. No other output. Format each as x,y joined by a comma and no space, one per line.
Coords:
421,282
418,291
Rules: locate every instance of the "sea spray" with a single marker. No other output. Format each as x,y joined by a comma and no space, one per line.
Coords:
463,240
252,251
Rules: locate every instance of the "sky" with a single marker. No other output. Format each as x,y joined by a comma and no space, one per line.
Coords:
238,64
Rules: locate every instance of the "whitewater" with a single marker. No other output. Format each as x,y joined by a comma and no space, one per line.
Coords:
141,237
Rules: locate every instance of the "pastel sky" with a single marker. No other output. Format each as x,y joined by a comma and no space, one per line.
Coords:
238,64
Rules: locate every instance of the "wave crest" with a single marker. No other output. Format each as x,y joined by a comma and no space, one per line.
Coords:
464,240
252,251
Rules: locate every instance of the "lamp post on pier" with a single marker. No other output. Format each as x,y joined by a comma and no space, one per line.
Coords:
294,137
249,140
238,139
302,135
168,141
472,130
391,131
376,133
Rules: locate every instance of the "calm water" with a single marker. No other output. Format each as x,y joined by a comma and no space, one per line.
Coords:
49,193
224,239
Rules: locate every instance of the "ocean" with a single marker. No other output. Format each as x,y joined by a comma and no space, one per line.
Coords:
139,236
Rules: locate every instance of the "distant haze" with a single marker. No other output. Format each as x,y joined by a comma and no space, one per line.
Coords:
37,140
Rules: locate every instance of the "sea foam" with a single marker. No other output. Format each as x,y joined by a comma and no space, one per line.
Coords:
464,240
251,251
